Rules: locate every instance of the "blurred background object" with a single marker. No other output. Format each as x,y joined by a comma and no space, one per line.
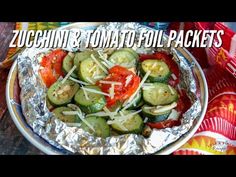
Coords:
217,132
10,54
5,37
157,25
231,25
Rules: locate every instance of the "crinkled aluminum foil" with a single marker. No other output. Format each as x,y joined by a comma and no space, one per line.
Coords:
76,141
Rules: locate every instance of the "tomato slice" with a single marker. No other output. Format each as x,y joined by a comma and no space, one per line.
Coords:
47,76
122,71
167,58
57,59
123,91
52,66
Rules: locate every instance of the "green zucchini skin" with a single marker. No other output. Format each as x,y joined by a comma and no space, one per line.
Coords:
133,125
95,103
124,57
135,54
154,117
85,73
160,71
137,103
68,64
160,94
65,118
100,126
61,94
80,56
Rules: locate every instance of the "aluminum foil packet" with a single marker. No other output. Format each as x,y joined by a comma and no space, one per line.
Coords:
74,140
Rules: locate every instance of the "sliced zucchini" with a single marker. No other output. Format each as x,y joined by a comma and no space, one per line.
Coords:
60,94
137,101
131,125
160,71
141,103
68,64
131,51
123,58
153,116
116,106
90,102
160,94
90,72
80,56
65,118
100,126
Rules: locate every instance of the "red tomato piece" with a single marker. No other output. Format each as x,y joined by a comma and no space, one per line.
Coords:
123,91
52,66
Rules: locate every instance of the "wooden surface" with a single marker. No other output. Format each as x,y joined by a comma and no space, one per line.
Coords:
5,37
12,142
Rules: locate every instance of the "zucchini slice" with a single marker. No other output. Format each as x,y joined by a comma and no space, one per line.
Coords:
123,58
160,71
160,94
100,126
131,125
135,54
80,56
66,118
67,64
60,94
90,72
149,112
90,102
138,101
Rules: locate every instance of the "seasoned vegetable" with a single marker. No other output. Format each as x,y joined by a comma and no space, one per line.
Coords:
131,51
124,58
117,87
65,118
126,84
60,94
68,64
138,101
80,56
101,128
159,70
131,124
153,116
160,94
91,70
89,100
51,69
